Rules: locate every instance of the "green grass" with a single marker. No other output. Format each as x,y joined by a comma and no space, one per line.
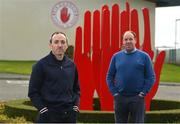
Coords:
170,72
19,67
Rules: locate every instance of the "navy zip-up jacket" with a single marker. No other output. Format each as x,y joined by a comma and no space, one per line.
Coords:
54,83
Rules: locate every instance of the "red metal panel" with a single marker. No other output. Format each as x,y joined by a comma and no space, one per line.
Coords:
85,75
135,25
87,32
96,59
124,24
115,28
105,28
105,96
147,33
157,68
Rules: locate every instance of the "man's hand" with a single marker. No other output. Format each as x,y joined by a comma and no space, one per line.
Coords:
76,108
141,94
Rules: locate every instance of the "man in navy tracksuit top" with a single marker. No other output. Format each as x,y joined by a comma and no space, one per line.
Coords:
54,87
129,78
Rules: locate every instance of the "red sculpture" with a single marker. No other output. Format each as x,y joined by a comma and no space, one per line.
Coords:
95,44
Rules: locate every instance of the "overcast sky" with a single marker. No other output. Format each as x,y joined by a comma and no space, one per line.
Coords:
166,19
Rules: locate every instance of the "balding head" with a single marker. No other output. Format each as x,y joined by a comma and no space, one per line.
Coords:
129,40
131,32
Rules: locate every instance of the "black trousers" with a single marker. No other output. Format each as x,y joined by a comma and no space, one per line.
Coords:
55,116
130,108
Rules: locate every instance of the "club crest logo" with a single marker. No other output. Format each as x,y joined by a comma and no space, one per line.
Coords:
64,14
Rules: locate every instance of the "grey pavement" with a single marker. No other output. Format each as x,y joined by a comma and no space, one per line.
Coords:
13,89
15,86
168,92
7,76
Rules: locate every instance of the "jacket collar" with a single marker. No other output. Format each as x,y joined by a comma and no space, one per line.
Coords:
52,59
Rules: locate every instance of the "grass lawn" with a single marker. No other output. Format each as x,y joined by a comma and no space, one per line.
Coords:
170,72
19,67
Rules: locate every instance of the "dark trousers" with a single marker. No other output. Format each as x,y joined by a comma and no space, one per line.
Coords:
55,116
129,108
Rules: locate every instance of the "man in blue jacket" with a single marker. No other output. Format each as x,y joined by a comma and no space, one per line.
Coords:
54,86
129,78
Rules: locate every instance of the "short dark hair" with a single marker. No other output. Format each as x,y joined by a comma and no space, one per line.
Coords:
58,32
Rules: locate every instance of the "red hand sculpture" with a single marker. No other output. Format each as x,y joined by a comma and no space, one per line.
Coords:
93,56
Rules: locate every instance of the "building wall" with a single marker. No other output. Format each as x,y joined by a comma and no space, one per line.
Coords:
173,56
26,25
0,29
178,56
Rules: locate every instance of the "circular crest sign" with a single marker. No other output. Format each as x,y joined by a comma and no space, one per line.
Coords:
64,14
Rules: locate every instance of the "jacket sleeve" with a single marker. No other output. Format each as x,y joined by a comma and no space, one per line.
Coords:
110,76
76,89
35,84
149,75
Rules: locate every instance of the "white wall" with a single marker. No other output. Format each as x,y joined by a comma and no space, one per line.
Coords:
0,30
25,25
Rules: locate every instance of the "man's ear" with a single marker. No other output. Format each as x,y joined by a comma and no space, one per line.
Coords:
67,47
135,40
50,45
